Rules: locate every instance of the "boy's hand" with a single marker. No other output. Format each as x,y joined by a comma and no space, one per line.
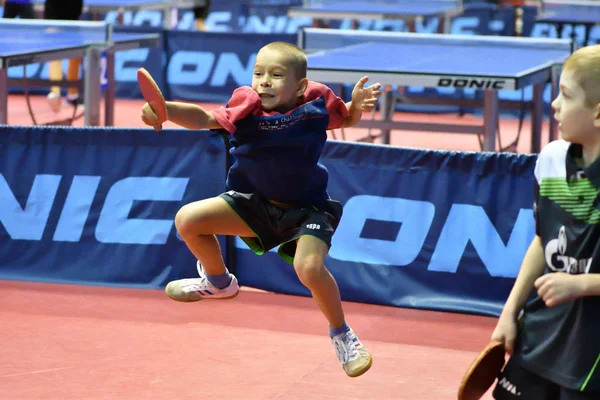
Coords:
364,99
150,118
506,332
559,287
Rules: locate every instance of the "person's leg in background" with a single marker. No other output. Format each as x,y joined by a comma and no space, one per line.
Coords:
63,10
73,75
200,14
75,11
55,67
26,10
11,10
55,74
18,8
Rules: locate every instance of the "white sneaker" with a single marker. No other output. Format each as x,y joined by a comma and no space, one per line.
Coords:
352,355
54,101
195,289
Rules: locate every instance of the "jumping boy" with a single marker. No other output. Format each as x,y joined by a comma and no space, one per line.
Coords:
555,355
277,187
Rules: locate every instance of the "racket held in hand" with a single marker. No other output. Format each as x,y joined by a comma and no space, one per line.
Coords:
152,95
483,372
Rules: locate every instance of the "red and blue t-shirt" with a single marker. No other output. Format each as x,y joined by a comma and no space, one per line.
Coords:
277,155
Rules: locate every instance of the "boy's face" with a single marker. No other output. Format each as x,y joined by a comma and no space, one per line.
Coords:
575,116
275,82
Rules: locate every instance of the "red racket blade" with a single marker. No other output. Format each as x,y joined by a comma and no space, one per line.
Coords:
152,95
483,372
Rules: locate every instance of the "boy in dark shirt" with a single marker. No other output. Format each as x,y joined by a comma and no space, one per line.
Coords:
556,353
277,187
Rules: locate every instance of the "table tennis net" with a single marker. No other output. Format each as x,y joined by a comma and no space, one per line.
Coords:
49,28
370,3
565,6
313,40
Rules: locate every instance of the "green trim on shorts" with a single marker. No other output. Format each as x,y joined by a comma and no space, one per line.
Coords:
255,244
587,380
285,256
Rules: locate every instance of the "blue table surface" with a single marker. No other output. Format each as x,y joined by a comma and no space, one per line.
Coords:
402,7
120,3
14,42
117,3
574,15
435,59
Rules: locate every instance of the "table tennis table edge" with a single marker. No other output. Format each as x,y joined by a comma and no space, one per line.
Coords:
338,15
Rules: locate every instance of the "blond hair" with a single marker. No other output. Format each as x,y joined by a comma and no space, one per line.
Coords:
585,65
294,55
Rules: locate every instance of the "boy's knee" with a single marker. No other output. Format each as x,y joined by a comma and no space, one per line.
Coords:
186,222
309,269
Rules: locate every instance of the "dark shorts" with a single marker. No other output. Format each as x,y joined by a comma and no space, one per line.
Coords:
515,382
275,225
69,10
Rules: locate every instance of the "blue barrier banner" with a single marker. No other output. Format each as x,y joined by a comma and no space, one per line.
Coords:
128,62
97,206
424,229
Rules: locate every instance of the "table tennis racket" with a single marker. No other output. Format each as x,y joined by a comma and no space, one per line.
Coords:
152,95
483,372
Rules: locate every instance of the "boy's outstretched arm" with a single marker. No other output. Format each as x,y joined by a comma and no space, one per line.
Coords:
363,99
191,116
187,115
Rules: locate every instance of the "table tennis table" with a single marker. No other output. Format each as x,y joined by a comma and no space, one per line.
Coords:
25,42
168,7
407,10
570,12
487,63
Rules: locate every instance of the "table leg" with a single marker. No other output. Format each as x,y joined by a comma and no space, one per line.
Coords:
109,92
168,22
386,101
554,82
93,73
490,119
3,96
559,30
588,30
446,24
537,114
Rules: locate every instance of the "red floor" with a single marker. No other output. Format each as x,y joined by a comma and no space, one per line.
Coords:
75,342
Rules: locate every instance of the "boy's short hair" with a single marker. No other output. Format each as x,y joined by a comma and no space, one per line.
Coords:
585,64
294,55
